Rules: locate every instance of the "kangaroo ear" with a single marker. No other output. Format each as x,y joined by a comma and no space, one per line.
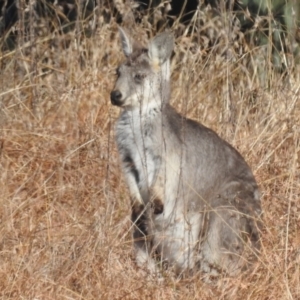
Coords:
126,42
161,47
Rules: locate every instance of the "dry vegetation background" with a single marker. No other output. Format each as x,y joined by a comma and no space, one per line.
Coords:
65,230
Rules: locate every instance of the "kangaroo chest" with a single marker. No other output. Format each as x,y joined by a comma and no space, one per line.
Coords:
139,141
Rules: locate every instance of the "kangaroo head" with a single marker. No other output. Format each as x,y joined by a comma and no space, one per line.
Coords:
143,79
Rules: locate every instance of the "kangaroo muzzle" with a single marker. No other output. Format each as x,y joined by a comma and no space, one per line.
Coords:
116,98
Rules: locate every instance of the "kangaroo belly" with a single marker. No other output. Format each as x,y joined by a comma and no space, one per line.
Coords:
176,238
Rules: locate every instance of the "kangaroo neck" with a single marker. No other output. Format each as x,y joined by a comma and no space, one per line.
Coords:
144,112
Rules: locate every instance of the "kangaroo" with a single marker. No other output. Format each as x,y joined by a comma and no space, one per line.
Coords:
195,202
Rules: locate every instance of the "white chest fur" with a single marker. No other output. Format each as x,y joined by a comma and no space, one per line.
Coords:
137,138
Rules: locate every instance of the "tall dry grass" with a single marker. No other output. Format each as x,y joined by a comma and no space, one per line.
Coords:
65,230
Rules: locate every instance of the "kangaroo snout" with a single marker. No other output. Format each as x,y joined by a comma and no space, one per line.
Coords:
116,98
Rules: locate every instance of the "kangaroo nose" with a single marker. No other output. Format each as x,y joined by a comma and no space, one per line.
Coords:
115,97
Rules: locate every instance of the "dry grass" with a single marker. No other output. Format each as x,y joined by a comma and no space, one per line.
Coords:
64,209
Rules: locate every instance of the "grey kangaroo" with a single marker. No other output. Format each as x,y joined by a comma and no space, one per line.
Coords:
195,202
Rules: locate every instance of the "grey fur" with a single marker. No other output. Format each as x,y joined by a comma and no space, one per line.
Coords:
195,202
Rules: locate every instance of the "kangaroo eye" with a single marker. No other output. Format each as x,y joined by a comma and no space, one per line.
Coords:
139,77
